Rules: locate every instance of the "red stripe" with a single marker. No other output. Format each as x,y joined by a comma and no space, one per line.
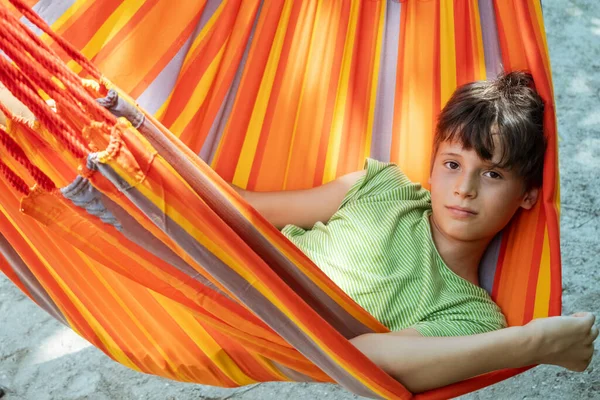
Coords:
463,43
469,385
199,61
534,270
506,64
535,52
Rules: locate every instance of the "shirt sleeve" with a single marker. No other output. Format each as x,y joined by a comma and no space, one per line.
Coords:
462,325
380,178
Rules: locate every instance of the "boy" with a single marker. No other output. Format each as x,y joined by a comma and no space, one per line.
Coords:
411,257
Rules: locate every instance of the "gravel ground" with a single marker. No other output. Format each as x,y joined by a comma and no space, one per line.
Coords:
40,359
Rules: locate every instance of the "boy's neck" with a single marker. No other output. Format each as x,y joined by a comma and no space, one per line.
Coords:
461,257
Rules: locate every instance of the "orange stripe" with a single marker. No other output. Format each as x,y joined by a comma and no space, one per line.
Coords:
166,58
412,151
310,114
358,101
81,27
37,267
260,162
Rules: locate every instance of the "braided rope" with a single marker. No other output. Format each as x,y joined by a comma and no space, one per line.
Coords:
18,154
20,38
15,180
70,50
40,79
15,82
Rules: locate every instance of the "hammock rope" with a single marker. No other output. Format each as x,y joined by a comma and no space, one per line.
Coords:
15,181
18,154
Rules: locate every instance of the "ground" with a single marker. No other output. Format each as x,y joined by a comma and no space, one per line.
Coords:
40,359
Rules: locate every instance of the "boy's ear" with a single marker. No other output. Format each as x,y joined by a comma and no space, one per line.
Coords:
530,198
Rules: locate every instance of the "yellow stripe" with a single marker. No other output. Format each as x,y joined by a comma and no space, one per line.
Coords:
266,230
113,349
224,254
244,165
312,33
204,341
67,15
111,27
447,51
542,296
478,42
172,365
202,35
337,126
199,95
188,57
374,83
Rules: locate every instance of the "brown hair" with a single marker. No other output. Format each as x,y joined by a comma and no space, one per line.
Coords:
507,106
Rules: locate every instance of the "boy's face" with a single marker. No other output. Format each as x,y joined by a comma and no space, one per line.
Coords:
470,199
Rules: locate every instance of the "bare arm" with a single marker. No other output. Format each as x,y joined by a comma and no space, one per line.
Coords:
423,363
301,207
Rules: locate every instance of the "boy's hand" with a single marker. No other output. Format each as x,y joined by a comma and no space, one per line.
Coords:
564,341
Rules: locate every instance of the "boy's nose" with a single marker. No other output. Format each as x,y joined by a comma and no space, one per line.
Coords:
466,187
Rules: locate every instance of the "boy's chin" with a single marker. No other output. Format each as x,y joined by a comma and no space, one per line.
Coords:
463,234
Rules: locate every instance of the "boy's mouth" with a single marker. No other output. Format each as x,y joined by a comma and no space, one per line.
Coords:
461,212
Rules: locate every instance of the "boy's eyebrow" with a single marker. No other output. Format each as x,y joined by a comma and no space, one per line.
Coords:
450,154
489,162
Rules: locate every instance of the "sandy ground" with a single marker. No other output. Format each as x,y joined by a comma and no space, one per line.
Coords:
40,359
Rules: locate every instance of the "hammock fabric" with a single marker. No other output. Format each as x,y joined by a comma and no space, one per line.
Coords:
117,227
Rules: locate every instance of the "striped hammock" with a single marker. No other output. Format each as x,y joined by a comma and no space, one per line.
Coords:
122,226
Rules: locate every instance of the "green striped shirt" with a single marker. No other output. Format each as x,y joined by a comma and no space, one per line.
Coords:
378,248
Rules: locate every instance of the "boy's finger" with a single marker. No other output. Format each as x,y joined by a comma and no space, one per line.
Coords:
580,314
586,318
593,333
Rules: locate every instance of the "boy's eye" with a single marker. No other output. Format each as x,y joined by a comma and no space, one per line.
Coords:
493,175
451,164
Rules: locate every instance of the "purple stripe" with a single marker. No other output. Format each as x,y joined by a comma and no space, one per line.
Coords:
34,287
209,147
245,292
159,90
491,44
386,87
318,300
489,262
